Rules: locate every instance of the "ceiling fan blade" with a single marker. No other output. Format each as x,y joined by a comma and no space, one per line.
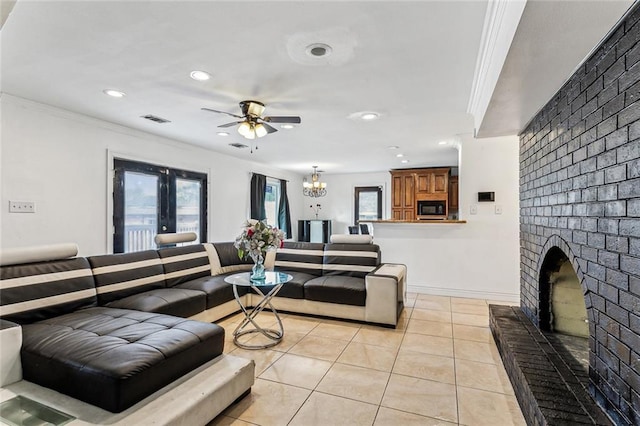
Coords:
283,119
221,112
270,129
230,124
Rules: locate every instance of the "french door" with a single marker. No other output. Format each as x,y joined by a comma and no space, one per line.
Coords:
149,199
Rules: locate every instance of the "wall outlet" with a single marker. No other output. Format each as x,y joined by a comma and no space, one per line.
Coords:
474,209
498,209
22,207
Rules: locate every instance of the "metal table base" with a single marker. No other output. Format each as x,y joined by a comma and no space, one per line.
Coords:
250,326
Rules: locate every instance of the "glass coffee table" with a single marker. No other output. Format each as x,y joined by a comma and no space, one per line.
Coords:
273,282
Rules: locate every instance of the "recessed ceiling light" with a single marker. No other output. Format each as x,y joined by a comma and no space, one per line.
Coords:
399,155
318,50
114,93
222,134
200,75
404,161
442,143
368,116
287,126
393,147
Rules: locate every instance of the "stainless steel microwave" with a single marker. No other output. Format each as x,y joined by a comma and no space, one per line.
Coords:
432,209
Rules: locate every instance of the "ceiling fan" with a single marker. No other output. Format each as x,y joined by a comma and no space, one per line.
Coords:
252,123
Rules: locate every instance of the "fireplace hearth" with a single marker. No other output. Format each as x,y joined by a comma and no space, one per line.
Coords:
580,245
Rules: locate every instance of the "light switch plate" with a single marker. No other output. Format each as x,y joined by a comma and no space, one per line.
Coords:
498,209
22,207
474,209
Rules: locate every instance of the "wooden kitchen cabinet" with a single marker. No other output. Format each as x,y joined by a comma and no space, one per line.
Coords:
412,185
453,194
403,199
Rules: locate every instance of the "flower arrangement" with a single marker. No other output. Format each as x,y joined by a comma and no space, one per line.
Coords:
257,238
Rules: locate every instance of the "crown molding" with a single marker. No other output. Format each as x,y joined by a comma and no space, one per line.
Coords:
500,25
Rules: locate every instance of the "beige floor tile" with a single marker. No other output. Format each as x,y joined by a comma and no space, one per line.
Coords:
299,324
269,403
297,371
431,328
470,319
390,417
361,384
479,408
433,345
368,356
478,375
423,397
468,301
323,409
335,331
263,357
477,351
288,341
378,336
223,420
469,332
464,308
433,297
319,347
431,315
436,305
424,366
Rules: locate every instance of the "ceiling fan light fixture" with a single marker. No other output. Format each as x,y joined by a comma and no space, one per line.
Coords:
246,130
260,130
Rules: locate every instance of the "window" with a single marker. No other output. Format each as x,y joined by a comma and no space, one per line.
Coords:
272,201
368,203
150,199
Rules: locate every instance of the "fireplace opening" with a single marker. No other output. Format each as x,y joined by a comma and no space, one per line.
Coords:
562,309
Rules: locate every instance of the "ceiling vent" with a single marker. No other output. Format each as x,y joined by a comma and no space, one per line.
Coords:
238,145
155,118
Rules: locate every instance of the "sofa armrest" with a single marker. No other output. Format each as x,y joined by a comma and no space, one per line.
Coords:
386,290
10,345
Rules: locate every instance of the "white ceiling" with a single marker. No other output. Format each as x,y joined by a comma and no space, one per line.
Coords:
411,61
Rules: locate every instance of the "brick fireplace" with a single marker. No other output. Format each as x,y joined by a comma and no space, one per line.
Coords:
580,196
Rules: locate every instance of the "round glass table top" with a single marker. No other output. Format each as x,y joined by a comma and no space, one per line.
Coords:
271,278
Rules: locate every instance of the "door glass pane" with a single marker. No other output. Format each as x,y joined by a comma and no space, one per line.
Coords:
271,201
367,205
188,207
140,211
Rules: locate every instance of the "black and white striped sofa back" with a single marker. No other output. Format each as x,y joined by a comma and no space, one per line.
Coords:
300,257
182,264
121,275
36,291
355,260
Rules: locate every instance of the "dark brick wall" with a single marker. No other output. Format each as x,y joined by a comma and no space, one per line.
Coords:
580,189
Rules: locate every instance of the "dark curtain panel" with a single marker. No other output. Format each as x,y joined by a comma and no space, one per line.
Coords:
284,217
258,188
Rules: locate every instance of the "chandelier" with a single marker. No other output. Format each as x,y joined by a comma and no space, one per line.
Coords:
315,188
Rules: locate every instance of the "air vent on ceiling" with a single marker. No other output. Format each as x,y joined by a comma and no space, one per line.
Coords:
155,118
238,145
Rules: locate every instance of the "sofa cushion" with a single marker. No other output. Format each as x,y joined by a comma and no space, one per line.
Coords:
113,358
294,289
182,264
341,289
171,301
217,290
122,275
356,260
228,255
36,291
300,257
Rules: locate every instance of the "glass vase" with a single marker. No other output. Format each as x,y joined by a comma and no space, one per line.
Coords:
257,272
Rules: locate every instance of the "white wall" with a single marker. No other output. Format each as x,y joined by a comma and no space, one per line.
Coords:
59,160
481,257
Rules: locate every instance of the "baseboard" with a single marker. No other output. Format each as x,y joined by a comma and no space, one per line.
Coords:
472,294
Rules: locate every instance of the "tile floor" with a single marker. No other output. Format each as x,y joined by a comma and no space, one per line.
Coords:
439,367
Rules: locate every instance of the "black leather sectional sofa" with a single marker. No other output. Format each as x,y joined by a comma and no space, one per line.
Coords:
112,329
